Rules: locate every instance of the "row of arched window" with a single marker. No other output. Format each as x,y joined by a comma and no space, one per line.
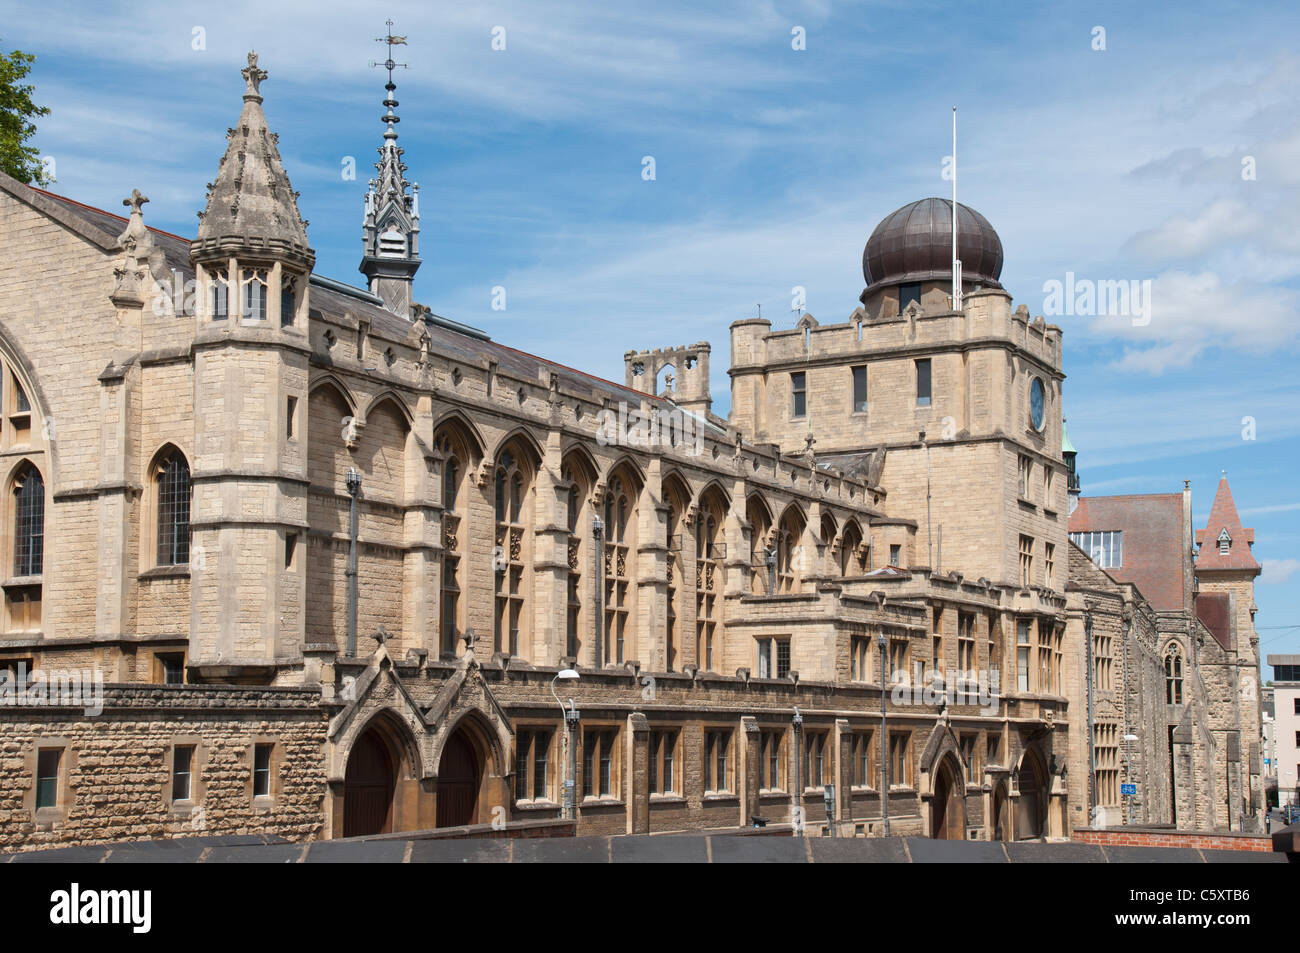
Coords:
601,580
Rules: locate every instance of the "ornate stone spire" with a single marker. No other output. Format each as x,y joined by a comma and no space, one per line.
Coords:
140,259
391,222
251,203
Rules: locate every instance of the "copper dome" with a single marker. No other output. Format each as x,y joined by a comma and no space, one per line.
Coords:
915,244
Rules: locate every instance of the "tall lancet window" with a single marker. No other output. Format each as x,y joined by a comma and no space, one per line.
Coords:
172,480
29,523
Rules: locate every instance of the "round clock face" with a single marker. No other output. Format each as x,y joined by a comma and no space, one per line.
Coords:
1036,404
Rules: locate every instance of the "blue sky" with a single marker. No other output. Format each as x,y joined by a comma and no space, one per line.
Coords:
772,167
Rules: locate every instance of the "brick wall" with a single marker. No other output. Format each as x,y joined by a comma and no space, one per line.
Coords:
1202,840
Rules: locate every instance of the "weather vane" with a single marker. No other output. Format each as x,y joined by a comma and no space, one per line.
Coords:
392,41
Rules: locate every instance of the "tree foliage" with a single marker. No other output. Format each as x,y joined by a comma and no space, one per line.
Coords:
17,158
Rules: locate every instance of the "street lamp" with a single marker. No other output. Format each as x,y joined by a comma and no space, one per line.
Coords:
797,720
598,533
884,737
570,716
353,481
1128,765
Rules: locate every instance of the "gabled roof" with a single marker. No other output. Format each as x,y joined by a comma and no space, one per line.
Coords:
1223,516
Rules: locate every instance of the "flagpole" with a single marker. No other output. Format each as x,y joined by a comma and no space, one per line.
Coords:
956,291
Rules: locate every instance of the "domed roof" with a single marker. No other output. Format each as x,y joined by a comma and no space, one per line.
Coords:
915,244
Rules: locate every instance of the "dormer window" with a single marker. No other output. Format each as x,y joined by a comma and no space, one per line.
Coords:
1225,543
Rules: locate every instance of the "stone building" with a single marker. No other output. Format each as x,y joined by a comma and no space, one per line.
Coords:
336,558
1173,700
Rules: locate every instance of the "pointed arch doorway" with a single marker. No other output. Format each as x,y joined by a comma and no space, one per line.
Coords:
369,786
947,806
460,774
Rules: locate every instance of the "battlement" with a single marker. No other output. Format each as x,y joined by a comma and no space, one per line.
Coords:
679,374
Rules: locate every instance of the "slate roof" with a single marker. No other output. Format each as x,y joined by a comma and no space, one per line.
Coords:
1223,515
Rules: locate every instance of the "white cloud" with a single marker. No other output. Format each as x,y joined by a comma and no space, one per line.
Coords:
1278,570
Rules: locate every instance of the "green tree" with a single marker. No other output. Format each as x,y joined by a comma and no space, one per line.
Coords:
16,114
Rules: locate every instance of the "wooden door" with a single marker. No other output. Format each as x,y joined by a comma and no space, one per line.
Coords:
458,783
368,788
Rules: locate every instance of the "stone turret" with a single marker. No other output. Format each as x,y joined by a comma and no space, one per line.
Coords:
253,265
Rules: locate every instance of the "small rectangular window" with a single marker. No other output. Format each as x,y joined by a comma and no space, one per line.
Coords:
782,658
290,548
47,777
182,764
799,391
923,382
290,415
907,294
895,554
262,770
173,668
764,658
860,390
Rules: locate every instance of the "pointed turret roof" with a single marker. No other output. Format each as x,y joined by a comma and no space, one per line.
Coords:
251,203
1224,520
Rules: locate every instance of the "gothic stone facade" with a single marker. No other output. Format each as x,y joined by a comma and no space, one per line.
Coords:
183,427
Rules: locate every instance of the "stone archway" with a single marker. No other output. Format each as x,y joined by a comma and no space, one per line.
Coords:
1001,813
1031,806
947,804
460,780
369,786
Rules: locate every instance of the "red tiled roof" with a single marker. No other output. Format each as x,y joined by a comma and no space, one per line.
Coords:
1223,515
1152,557
1213,609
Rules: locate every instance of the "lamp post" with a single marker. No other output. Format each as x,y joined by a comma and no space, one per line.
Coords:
570,716
354,490
884,737
797,720
598,531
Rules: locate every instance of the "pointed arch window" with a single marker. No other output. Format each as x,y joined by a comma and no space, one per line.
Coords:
29,523
454,464
219,299
618,513
709,551
573,614
254,282
288,299
172,480
1174,675
508,557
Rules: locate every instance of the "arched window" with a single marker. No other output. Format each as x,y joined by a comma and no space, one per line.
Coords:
790,558
619,510
454,462
254,282
709,552
760,523
172,481
508,557
579,479
29,522
1174,675
852,553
